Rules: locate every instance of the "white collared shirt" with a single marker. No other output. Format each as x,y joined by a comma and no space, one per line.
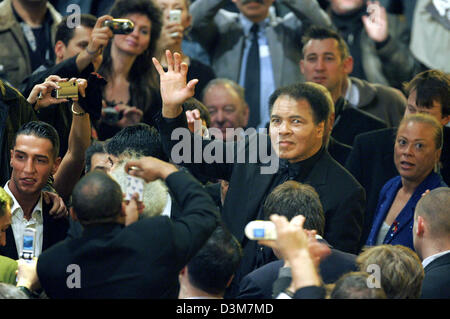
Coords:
431,258
19,223
267,79
168,208
352,94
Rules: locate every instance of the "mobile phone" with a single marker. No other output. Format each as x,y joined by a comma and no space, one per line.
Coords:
29,242
261,230
175,15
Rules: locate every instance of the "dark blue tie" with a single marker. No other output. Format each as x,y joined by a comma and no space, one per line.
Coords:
252,79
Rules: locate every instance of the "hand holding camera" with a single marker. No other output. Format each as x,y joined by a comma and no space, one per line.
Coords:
56,90
100,37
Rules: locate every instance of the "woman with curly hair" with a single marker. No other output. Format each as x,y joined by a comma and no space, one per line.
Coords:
132,92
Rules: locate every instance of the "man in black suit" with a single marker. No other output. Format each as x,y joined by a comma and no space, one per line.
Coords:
34,158
326,60
298,116
291,199
142,260
372,158
431,234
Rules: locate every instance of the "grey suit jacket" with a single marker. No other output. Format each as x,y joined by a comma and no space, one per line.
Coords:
221,34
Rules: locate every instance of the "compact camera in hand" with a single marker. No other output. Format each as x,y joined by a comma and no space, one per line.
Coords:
111,116
261,230
67,90
120,26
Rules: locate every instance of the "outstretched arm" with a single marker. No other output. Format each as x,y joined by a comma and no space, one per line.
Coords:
72,164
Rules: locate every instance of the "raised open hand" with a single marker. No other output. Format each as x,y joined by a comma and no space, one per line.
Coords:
174,89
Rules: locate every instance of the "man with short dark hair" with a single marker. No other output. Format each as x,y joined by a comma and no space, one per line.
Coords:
372,158
431,236
210,271
359,105
291,199
142,260
34,158
298,116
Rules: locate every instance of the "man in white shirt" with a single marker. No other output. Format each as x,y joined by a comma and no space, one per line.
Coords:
431,235
34,158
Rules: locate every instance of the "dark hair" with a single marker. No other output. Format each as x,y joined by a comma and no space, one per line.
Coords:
97,198
321,33
430,86
142,75
65,33
353,285
212,267
194,104
42,130
97,147
305,91
140,138
293,198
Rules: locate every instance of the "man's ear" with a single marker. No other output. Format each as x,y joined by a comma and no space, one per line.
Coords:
229,281
183,271
420,226
73,214
60,50
321,129
246,114
348,65
302,66
56,165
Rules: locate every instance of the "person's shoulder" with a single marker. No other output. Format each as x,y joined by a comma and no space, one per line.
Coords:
336,174
389,93
366,118
376,136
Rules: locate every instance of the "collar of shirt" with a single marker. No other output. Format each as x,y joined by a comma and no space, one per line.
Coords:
247,25
300,170
352,94
431,258
17,211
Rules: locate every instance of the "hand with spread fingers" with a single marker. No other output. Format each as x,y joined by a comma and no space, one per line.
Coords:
174,89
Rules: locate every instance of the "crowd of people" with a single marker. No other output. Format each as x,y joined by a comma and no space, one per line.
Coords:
132,159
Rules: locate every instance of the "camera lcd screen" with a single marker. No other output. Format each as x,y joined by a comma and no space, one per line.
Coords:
258,233
28,243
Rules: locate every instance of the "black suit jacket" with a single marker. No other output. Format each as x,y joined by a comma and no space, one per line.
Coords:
339,151
351,122
341,195
371,162
436,283
258,284
142,260
55,230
